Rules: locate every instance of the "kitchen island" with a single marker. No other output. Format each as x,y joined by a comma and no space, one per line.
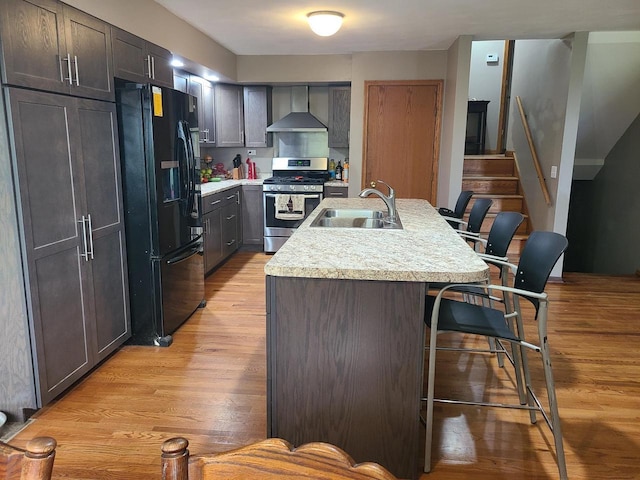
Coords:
345,330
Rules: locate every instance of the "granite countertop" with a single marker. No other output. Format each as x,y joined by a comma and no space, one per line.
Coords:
215,187
427,249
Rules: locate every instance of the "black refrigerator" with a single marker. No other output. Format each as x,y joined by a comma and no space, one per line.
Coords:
159,145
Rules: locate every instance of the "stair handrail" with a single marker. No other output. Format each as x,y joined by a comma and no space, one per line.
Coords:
534,154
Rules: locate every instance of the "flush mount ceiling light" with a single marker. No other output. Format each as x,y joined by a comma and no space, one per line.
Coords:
325,23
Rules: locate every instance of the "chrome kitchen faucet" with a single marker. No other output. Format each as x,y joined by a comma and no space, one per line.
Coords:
389,200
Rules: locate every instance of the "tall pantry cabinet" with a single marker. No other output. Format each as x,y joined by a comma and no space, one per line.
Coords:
66,169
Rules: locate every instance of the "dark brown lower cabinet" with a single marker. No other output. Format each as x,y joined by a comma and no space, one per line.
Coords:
344,366
222,221
67,174
252,215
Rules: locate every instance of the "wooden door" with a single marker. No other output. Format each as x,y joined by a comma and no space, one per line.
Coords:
402,136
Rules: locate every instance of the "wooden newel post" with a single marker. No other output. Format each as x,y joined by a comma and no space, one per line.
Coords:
175,459
38,458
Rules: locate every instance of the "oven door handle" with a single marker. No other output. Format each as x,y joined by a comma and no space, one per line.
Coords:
274,195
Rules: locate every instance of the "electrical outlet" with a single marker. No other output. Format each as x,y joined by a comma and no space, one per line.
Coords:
554,171
251,152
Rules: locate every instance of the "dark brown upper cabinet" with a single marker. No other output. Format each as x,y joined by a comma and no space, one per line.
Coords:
339,116
137,60
49,46
257,116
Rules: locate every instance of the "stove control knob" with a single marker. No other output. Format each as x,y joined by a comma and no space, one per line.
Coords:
279,187
306,187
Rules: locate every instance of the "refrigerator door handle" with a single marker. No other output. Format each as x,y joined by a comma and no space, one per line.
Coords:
85,254
183,162
185,256
90,231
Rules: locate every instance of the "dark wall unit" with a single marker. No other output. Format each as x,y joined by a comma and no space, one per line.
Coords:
476,127
229,115
47,45
204,92
73,232
222,226
339,116
336,192
348,372
137,60
257,116
252,215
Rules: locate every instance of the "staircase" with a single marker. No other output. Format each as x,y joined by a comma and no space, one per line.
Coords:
496,177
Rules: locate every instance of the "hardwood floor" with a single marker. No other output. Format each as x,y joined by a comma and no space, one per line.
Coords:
210,386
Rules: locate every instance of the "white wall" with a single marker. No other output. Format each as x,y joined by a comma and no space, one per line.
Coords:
427,65
485,83
541,72
454,122
610,97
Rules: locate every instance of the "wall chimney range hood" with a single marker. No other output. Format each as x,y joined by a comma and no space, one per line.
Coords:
299,120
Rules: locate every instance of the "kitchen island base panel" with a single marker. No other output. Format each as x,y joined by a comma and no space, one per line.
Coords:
344,367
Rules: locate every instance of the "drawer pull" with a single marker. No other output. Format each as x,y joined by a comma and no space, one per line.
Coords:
214,203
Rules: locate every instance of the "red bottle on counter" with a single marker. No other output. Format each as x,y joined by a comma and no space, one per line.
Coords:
251,170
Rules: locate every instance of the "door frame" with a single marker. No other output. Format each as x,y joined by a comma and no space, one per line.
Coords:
438,84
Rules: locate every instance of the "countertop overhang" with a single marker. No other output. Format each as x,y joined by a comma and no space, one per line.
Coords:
427,249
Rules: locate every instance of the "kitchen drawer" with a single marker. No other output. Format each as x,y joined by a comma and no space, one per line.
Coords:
336,192
220,199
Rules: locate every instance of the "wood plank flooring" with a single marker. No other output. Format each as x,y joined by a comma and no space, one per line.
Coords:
210,386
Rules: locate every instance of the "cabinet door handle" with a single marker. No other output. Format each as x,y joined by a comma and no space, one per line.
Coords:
231,217
335,194
90,252
70,77
230,243
148,74
75,62
153,67
84,254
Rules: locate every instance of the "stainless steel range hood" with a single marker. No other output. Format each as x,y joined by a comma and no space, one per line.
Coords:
299,120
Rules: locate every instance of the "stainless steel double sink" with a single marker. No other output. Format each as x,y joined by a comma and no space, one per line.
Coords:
354,218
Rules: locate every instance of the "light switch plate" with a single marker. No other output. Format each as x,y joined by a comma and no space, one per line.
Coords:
554,171
251,152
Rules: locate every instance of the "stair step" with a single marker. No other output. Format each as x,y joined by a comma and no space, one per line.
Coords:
492,166
493,185
501,203
490,218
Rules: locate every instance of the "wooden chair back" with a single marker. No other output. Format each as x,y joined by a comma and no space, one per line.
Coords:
33,463
266,460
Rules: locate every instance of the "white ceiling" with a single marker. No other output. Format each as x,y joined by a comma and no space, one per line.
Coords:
263,27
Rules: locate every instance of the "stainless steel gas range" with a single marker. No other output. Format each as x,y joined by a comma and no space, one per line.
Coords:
290,195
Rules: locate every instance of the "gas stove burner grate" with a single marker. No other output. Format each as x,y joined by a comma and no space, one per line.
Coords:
295,180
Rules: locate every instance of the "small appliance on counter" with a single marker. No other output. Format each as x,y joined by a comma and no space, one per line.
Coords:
290,195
